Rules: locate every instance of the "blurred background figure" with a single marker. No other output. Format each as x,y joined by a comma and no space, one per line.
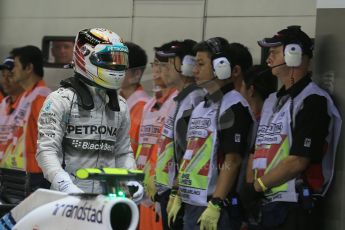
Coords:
155,112
177,63
11,88
13,91
6,74
132,90
258,82
242,56
62,51
18,156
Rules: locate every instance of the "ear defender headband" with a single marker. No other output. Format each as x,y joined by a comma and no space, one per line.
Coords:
293,55
187,66
221,65
293,51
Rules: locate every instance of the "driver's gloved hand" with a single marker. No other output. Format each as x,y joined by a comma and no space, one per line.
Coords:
139,191
62,182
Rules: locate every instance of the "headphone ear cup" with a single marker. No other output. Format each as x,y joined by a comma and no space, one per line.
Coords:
187,66
293,55
222,68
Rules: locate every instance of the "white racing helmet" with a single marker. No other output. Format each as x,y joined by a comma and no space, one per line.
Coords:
100,56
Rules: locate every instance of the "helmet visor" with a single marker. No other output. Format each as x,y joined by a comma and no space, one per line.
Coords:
110,58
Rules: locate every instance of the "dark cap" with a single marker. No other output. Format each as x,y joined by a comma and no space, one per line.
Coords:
290,35
7,64
176,48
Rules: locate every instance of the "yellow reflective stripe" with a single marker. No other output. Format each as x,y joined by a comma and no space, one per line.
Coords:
146,171
281,188
6,159
281,154
162,177
138,151
14,155
202,156
84,173
18,153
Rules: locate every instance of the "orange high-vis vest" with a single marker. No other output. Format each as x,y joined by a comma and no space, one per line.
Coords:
20,153
1,97
150,129
7,106
136,103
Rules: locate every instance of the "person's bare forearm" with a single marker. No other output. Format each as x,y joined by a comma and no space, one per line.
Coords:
249,170
228,175
286,170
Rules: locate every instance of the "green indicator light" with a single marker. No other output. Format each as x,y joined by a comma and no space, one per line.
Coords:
112,195
121,194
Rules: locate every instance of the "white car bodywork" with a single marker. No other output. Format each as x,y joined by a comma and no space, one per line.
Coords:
47,209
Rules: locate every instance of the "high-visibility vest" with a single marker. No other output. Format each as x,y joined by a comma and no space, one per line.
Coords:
138,95
15,153
274,138
166,166
150,129
6,133
199,172
136,102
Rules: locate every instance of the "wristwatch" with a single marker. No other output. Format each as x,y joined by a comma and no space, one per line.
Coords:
217,202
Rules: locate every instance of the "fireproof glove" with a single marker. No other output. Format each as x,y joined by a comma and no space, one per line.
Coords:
209,218
139,194
175,207
251,201
170,202
62,182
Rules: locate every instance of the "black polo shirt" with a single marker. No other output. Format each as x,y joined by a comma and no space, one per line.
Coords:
311,123
235,122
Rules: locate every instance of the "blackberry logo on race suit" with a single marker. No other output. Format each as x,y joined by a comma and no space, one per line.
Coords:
87,145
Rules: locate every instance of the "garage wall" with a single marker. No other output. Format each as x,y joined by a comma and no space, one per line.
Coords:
150,22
